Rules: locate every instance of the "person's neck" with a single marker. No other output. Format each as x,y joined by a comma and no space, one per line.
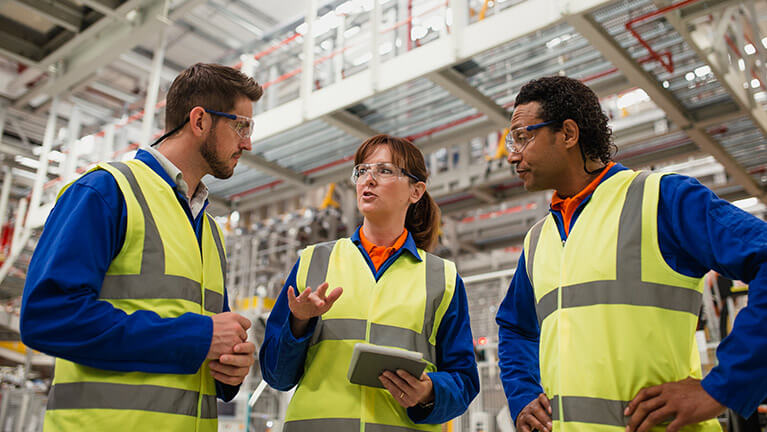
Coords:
177,150
382,233
577,179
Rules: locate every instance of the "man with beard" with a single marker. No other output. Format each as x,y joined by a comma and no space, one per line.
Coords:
126,285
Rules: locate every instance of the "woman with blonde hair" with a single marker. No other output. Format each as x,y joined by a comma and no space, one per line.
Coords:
388,291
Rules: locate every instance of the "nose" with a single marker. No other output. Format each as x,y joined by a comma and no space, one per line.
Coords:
246,144
368,177
514,158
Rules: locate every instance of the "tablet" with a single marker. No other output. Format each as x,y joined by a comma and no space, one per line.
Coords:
370,361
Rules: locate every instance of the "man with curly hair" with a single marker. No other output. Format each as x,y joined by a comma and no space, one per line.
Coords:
597,329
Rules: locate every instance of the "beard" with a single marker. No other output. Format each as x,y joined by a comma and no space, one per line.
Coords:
219,168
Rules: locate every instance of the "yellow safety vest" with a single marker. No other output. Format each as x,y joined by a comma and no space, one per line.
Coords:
614,317
403,309
160,268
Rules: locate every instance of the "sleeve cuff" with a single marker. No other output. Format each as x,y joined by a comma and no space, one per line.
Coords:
192,360
291,339
716,387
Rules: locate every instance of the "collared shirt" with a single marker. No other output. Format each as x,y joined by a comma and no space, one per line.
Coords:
568,206
379,254
61,314
697,231
197,202
456,382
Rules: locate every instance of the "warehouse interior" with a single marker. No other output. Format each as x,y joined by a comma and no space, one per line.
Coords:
683,82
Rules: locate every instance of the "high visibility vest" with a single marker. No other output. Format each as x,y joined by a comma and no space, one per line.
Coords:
162,268
614,317
403,309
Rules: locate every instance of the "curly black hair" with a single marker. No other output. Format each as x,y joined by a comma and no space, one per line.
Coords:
563,98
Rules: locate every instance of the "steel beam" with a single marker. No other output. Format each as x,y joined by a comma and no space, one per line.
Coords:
350,124
272,168
56,12
102,43
103,8
613,52
455,84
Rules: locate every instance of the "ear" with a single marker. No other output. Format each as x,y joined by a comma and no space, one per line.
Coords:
199,122
572,133
416,191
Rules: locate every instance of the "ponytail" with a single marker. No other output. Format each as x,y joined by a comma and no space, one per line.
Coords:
423,222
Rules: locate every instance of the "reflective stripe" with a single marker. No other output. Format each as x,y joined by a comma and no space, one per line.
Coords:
399,337
435,290
590,410
380,334
150,286
628,288
153,255
341,425
339,329
214,302
219,246
375,427
535,235
634,293
318,266
100,395
328,424
209,407
629,256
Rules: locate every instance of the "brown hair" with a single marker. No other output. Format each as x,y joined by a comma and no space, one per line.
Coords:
212,86
423,217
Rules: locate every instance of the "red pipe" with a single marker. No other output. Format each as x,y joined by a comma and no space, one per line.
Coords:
409,24
654,54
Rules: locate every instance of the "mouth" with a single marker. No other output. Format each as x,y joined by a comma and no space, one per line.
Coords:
368,194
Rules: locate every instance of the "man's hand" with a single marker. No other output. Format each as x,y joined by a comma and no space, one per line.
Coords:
233,368
309,305
229,329
535,416
681,402
406,389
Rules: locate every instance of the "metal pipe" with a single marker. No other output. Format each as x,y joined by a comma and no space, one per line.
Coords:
6,192
307,72
42,169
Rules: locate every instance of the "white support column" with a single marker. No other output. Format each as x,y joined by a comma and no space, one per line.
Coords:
70,163
3,115
338,59
307,71
153,88
42,169
375,42
271,93
460,11
18,226
5,193
249,65
108,148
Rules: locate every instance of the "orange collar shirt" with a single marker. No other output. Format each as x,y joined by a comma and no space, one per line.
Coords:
379,254
568,206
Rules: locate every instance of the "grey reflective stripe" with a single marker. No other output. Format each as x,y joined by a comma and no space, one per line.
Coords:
629,258
399,337
209,407
214,302
546,305
535,235
589,410
634,293
339,329
435,291
150,286
153,255
340,425
327,424
375,427
100,395
318,266
219,245
628,288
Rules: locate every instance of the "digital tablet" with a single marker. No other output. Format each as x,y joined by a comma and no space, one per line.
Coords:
370,361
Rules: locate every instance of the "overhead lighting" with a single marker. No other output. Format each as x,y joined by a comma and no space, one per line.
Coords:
351,31
702,71
689,76
665,84
754,83
741,64
749,49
